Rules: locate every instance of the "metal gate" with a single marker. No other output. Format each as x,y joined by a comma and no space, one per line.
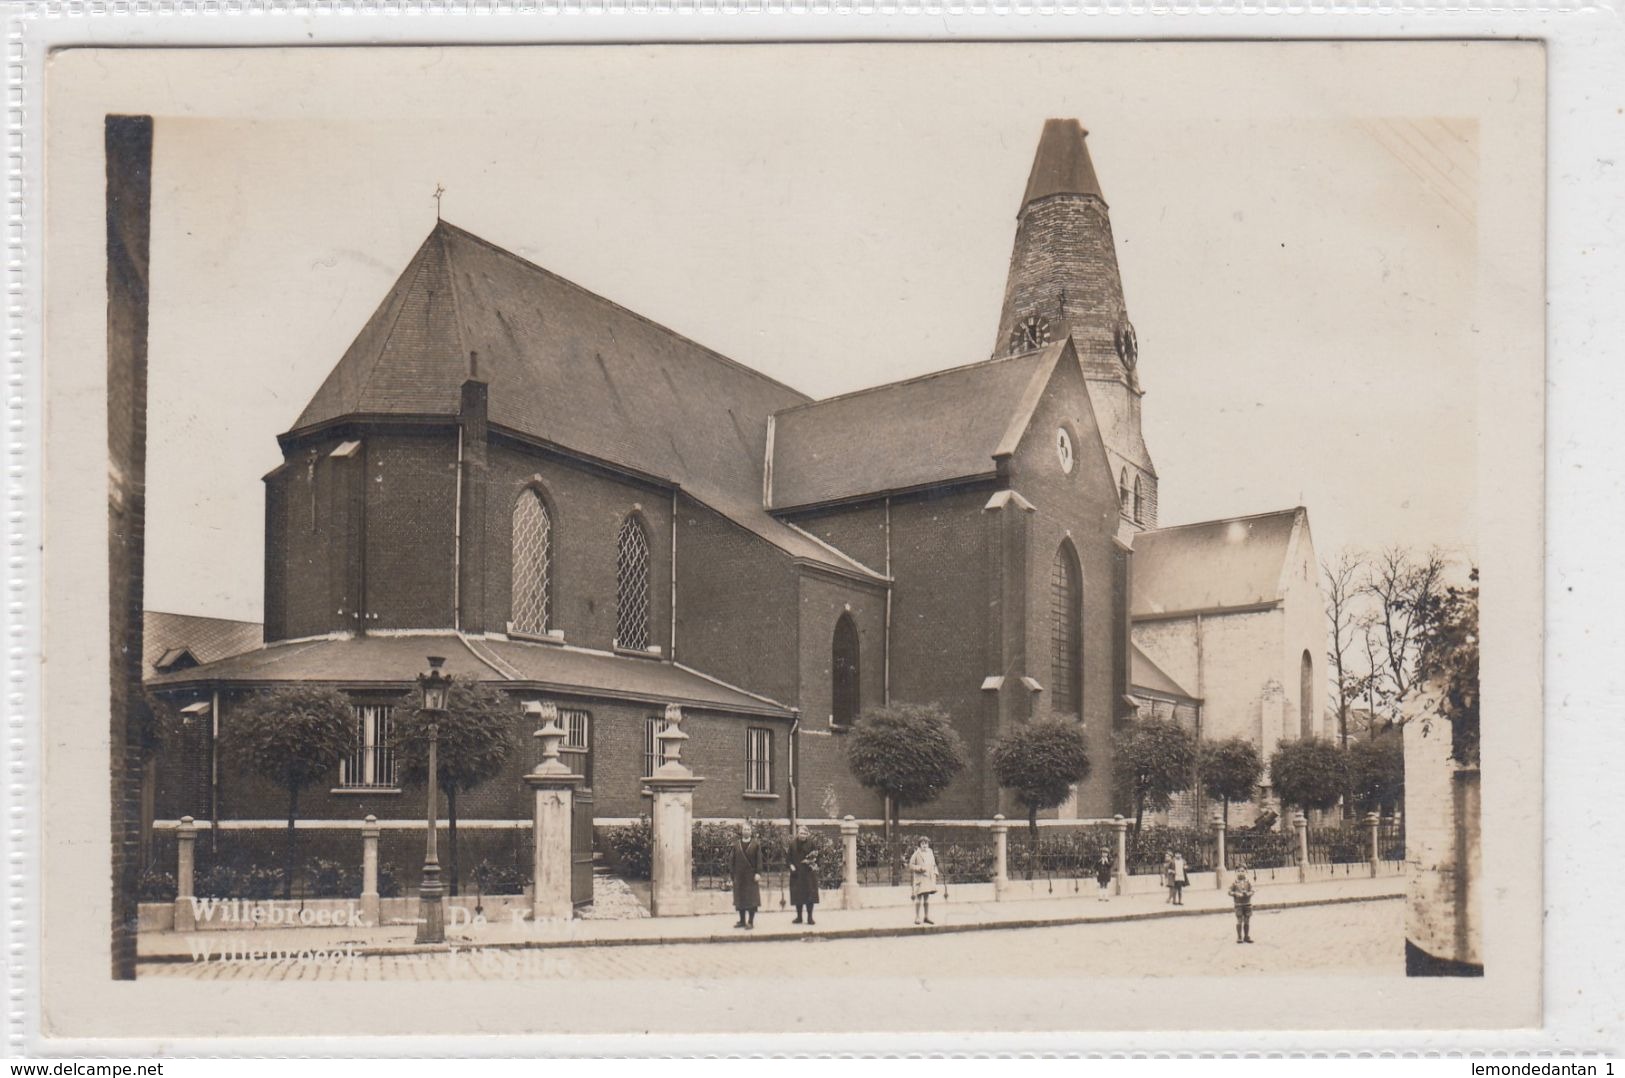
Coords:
581,848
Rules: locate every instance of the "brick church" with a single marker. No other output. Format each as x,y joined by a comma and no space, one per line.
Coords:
585,507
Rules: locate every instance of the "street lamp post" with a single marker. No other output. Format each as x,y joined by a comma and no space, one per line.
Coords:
431,892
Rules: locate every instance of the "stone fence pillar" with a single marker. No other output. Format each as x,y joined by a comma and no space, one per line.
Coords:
554,785
849,863
671,868
185,867
1001,857
1373,822
1300,824
369,872
1219,872
1121,869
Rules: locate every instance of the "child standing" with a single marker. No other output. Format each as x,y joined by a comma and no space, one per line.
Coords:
1242,892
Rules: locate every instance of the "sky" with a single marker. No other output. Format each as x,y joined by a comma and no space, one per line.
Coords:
1296,229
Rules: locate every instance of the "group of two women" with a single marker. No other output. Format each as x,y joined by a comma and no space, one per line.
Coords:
747,869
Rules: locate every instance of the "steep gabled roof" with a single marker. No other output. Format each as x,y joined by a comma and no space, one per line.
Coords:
1212,565
569,368
171,636
945,426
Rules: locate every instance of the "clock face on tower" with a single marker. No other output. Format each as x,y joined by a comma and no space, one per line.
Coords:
1031,332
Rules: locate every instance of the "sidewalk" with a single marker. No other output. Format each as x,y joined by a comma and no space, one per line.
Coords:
771,924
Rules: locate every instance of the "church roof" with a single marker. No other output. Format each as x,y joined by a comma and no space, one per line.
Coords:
1149,677
940,427
167,639
569,368
1212,565
1062,165
390,661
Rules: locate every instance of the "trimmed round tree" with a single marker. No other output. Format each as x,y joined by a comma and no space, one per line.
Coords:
1231,769
908,753
294,736
1152,760
1377,771
1040,763
1310,773
476,738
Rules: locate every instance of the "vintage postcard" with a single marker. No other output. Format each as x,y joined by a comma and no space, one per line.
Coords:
793,538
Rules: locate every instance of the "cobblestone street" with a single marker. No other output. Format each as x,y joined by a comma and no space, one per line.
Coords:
1354,938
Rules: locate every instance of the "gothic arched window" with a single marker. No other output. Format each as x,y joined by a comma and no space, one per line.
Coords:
1124,495
845,694
632,586
1306,695
531,610
1066,632
1139,501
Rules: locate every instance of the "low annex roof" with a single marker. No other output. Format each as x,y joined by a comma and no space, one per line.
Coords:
568,368
167,638
1148,676
394,662
939,427
1212,565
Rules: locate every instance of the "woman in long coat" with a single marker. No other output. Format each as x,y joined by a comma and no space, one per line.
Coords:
922,868
747,876
803,874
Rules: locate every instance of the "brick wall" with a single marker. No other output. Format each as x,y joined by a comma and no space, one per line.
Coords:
1443,832
1079,508
737,602
588,507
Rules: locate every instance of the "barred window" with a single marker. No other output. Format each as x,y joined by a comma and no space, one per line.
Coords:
632,587
758,760
577,747
371,762
532,610
845,692
1066,603
651,743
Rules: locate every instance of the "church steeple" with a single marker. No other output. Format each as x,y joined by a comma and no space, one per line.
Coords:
1064,281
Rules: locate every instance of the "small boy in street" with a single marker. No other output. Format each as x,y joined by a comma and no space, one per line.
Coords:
1242,892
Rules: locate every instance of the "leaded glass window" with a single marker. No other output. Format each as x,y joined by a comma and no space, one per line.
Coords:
532,564
1066,604
632,587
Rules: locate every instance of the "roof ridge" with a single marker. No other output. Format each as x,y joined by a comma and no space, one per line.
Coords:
1222,520
365,381
911,381
528,264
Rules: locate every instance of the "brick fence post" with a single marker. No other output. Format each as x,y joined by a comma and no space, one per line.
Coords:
1373,822
1121,870
185,867
369,872
849,863
1001,856
1300,824
1218,850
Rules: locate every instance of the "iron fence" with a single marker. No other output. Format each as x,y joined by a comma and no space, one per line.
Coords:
1263,853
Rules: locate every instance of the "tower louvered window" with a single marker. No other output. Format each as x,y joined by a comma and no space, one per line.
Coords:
1139,502
632,587
1123,492
532,565
1066,632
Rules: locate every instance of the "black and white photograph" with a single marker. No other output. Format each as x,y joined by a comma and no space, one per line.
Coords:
630,518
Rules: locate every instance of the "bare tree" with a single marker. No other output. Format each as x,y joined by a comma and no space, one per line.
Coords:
1345,597
1406,588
